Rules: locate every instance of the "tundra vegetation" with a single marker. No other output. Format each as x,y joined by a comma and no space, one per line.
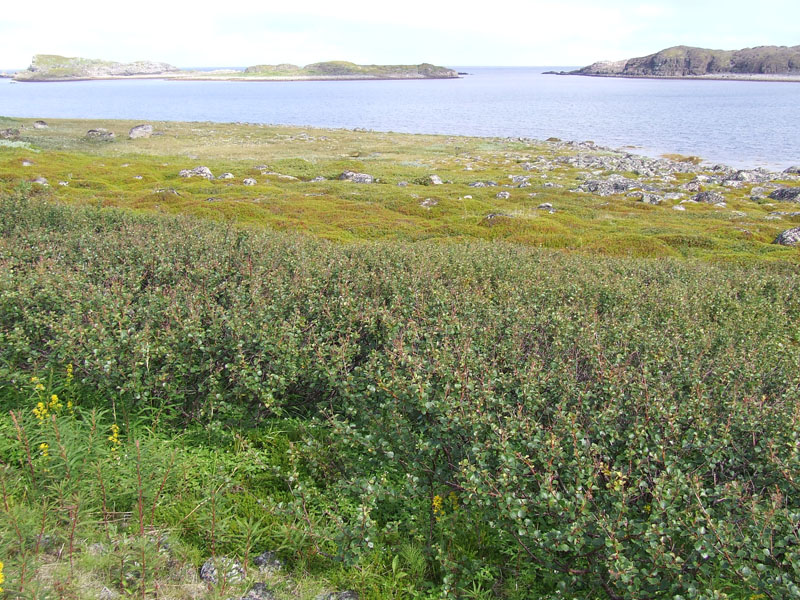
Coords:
397,400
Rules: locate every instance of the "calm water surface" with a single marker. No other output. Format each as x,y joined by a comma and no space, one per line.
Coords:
741,123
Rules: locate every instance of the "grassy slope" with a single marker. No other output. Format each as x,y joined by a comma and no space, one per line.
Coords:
105,173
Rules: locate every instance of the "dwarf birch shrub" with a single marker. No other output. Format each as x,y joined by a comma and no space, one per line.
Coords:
602,427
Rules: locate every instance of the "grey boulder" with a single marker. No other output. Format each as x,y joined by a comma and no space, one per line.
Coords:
100,135
790,237
709,198
786,194
140,131
356,177
231,570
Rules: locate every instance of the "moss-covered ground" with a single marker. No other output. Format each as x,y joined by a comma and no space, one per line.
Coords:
142,175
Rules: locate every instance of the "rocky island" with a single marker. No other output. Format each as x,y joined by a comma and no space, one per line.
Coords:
50,67
763,63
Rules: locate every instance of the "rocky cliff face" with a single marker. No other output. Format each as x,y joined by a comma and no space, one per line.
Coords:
51,66
686,61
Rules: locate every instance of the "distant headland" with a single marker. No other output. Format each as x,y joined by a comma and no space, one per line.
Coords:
763,63
51,67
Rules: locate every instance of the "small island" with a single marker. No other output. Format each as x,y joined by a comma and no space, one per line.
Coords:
763,63
51,67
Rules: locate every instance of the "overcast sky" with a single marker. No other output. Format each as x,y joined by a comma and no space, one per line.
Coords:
463,33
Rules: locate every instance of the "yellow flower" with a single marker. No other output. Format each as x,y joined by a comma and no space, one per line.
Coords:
2,577
44,447
69,372
40,412
55,403
437,503
39,387
114,439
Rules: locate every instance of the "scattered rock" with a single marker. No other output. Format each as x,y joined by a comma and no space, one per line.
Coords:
482,184
231,570
795,170
678,207
63,183
614,184
100,135
249,181
199,171
356,177
709,198
503,195
40,125
106,594
692,186
780,213
140,131
225,176
318,179
268,562
402,184
259,591
790,237
545,206
786,194
433,180
647,197
348,595
40,181
9,134
27,163
429,202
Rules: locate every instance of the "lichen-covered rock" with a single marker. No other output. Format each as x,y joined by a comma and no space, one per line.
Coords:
259,591
249,181
429,202
318,179
9,134
503,195
27,163
793,170
40,181
434,180
140,131
709,198
40,125
649,198
225,176
786,194
213,570
356,177
790,237
198,171
100,135
614,184
346,595
268,562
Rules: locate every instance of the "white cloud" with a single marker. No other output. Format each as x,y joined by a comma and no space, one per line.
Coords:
448,32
